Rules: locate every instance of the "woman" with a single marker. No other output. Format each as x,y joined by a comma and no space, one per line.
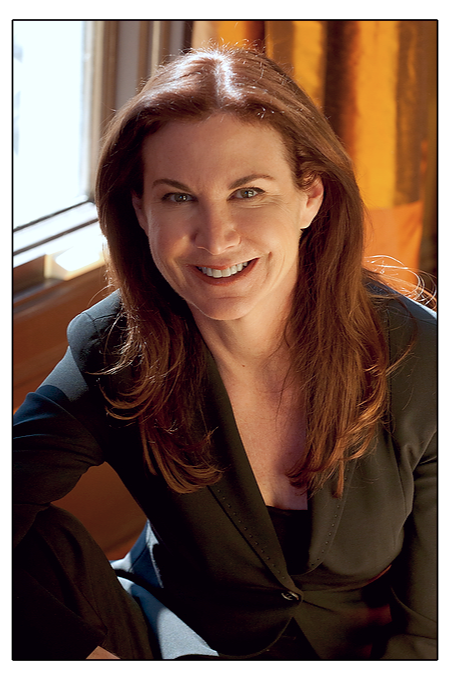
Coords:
267,400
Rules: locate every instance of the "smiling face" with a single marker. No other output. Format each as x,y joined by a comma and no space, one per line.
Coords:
223,215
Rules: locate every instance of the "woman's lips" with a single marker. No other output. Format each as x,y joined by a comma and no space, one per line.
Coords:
225,274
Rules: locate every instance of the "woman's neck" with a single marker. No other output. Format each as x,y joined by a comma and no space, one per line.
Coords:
243,347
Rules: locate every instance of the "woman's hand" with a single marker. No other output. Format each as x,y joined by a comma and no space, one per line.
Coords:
100,653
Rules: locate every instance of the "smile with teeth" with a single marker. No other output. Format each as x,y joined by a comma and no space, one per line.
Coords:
223,273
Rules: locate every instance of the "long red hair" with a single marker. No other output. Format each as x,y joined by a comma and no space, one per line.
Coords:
336,337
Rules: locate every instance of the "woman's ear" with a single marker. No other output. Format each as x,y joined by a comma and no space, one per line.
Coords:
314,193
138,205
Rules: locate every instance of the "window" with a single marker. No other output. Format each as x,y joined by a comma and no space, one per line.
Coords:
51,117
53,78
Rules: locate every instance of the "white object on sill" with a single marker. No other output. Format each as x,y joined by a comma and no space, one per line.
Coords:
79,259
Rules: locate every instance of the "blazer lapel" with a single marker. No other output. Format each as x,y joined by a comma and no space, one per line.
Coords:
326,512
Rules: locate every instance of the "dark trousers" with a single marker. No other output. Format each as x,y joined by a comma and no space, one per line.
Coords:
67,599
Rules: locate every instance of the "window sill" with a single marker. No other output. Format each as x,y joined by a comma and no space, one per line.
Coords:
58,248
58,271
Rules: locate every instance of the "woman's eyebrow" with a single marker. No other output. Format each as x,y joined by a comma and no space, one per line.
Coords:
249,178
172,183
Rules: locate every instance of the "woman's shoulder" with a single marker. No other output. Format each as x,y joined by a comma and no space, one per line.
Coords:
406,309
96,331
409,320
412,337
98,318
405,319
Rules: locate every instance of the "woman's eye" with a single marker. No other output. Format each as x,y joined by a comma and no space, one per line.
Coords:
178,198
248,193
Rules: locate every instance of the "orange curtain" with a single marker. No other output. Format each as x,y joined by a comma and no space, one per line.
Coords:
376,83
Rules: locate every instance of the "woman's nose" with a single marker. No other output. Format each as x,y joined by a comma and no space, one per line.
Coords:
216,231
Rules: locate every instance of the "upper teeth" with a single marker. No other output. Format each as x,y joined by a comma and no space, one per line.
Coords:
223,273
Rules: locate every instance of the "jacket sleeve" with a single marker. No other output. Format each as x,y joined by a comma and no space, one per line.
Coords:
414,573
52,448
57,435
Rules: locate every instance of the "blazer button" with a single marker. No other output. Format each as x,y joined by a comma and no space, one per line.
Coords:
289,595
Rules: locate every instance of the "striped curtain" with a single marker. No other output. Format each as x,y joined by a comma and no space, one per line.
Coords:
376,83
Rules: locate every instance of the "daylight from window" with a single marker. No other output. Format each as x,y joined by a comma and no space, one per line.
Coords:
49,117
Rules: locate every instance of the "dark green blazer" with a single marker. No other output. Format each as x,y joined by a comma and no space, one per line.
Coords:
369,588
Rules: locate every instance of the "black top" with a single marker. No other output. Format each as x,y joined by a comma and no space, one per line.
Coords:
293,529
